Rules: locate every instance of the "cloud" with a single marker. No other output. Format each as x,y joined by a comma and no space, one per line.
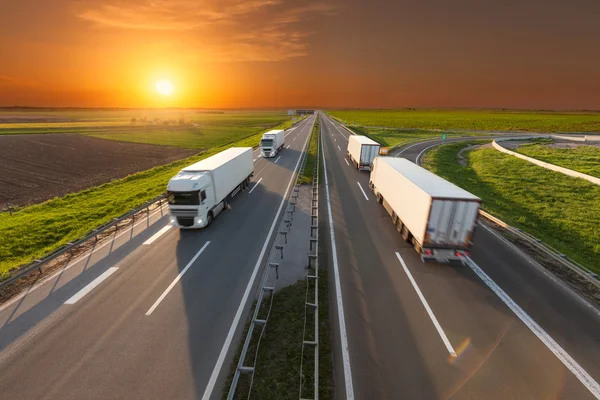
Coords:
217,30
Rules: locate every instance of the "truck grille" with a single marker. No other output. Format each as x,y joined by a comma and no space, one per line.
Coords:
185,221
183,213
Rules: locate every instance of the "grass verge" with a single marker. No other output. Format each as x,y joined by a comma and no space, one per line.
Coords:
307,176
584,159
277,373
34,231
562,211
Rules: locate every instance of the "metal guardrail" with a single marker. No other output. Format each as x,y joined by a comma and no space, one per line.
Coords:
548,250
311,306
268,286
38,265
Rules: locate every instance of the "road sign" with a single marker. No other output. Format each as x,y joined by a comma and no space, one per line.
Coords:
443,136
291,112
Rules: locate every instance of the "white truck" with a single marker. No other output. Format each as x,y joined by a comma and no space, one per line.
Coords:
199,192
272,142
436,216
362,151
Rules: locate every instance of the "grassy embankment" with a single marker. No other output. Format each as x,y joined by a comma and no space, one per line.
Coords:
562,211
36,230
307,176
584,159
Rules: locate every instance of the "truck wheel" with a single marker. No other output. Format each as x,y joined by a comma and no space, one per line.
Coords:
209,219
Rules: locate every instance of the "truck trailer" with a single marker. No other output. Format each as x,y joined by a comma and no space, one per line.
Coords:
436,216
199,192
362,151
272,142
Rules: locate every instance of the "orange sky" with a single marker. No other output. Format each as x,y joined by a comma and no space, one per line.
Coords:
275,53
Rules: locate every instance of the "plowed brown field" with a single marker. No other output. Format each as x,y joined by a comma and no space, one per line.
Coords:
35,168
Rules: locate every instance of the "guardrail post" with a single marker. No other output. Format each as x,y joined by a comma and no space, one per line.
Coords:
279,247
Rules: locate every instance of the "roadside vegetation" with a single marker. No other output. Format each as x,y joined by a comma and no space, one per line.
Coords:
33,231
584,159
307,176
277,375
473,120
562,211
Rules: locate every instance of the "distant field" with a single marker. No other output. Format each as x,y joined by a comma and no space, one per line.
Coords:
398,137
184,128
560,210
484,120
36,230
585,159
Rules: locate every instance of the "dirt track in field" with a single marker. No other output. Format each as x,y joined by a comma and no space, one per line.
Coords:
35,168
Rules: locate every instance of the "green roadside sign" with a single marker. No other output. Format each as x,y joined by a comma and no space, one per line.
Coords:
443,136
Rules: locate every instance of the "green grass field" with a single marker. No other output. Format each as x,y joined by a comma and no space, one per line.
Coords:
473,120
34,231
584,159
398,137
186,128
562,211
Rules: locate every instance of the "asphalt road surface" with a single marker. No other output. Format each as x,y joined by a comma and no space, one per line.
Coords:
156,320
516,331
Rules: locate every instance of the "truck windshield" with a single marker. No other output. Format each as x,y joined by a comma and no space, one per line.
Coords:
266,143
184,198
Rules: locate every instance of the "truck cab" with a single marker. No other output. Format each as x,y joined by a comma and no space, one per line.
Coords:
267,146
191,197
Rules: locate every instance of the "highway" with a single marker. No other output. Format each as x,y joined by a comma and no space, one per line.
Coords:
520,334
158,318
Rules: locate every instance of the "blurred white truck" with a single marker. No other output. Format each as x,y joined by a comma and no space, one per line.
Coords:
199,192
436,216
272,142
362,151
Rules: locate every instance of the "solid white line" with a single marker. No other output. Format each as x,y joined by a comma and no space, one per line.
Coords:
167,290
76,261
537,330
79,295
254,187
363,192
338,291
277,159
424,150
288,146
347,162
427,308
158,234
339,148
238,315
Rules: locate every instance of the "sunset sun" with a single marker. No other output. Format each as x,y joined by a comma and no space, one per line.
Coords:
164,87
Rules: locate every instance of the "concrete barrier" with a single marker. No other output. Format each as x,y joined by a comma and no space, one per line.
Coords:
543,164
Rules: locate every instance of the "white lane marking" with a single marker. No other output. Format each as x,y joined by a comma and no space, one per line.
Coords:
254,160
336,128
254,187
538,331
77,261
347,162
158,234
90,286
338,291
288,146
277,159
418,159
363,192
259,156
167,290
238,315
413,145
427,308
334,139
